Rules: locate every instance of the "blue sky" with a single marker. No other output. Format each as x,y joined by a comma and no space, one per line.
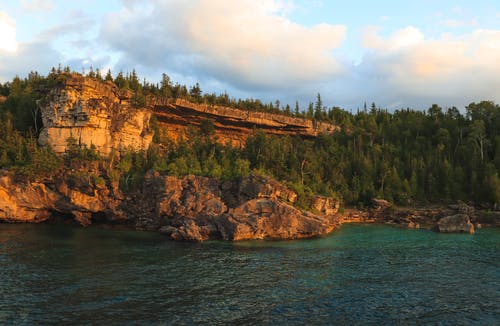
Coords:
394,53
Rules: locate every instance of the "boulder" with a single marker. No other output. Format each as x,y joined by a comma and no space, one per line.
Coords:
265,218
256,186
325,205
381,204
459,223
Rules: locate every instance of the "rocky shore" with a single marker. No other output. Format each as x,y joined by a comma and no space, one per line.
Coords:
191,208
194,208
457,218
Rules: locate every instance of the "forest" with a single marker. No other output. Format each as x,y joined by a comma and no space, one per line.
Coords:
408,156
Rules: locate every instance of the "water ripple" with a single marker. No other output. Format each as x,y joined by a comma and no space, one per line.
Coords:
358,275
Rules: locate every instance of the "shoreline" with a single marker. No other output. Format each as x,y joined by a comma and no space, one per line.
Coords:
351,216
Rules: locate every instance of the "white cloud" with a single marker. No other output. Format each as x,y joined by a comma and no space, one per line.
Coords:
37,5
249,43
36,56
450,69
403,38
7,33
455,23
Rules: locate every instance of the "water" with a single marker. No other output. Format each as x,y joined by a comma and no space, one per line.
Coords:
361,274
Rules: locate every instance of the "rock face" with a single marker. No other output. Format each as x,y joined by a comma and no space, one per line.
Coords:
93,113
198,208
325,205
459,223
34,202
190,208
232,125
98,113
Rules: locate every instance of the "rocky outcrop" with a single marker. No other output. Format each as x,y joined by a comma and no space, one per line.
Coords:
31,202
452,219
264,218
459,223
191,208
232,125
325,205
256,207
35,202
93,113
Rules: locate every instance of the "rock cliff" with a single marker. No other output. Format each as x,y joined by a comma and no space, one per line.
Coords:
93,113
190,208
34,202
232,125
98,113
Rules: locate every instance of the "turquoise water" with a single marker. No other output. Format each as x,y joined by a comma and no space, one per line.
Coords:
361,274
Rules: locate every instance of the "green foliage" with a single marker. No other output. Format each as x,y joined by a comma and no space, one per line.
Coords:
406,156
80,153
21,152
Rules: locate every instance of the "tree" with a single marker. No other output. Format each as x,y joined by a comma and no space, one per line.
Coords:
207,128
108,77
318,107
477,137
165,85
195,93
297,108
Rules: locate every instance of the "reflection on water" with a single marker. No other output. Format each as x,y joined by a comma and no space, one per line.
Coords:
359,274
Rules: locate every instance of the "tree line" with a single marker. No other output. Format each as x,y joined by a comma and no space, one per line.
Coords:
406,156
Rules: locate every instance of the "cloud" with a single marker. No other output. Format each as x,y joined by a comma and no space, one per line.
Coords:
35,56
37,5
42,52
7,33
406,67
403,38
455,23
248,43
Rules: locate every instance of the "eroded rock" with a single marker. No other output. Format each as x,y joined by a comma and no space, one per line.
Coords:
325,205
197,209
93,113
459,223
34,202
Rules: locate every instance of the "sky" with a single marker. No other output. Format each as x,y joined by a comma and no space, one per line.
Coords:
397,54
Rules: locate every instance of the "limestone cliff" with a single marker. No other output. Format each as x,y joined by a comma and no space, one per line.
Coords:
93,113
98,113
232,125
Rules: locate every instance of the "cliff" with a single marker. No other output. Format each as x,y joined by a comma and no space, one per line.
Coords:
93,113
98,113
232,125
190,208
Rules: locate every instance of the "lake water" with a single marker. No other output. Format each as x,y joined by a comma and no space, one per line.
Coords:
360,274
